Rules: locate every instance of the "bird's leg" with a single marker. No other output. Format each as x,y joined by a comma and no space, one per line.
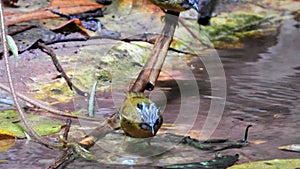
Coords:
123,141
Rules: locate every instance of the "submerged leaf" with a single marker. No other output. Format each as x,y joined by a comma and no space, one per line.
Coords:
6,144
4,135
7,140
270,164
91,106
227,28
9,121
218,162
292,147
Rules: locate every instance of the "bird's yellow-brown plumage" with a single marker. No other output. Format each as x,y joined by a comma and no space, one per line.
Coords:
139,116
176,5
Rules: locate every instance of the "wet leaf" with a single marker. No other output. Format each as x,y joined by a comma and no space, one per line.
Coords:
6,144
91,107
219,162
7,140
227,28
28,38
9,121
292,147
73,25
4,134
270,164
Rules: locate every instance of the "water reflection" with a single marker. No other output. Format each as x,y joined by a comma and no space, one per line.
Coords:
263,89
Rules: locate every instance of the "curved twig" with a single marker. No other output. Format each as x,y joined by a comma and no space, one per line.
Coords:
44,106
28,127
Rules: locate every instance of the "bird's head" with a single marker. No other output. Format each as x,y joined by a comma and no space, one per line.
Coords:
149,115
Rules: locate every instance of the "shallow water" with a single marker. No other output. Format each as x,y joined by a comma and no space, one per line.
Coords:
263,89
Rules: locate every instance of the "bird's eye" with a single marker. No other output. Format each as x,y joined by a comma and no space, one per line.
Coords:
140,106
144,126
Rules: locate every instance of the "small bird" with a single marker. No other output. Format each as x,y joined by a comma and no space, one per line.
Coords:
140,117
203,7
177,5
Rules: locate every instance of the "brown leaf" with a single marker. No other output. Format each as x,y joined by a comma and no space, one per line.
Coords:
6,144
64,6
73,25
292,147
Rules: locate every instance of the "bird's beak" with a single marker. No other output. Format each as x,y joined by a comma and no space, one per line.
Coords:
152,129
195,6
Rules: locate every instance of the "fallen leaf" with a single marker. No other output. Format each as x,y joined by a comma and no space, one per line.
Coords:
73,25
9,120
270,164
6,144
292,147
7,140
64,6
4,135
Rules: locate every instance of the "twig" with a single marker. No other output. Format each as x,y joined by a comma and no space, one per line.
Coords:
193,34
28,127
67,129
245,139
59,68
67,156
43,106
148,76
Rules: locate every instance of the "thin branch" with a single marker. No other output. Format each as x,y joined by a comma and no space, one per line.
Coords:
44,106
195,36
28,127
59,68
67,129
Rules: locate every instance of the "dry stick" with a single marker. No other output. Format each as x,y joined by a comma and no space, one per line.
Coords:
59,68
67,129
28,127
64,158
193,34
148,76
45,107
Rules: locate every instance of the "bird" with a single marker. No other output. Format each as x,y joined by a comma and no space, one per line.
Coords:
139,116
204,8
176,5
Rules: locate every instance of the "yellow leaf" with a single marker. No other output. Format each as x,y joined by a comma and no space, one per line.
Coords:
4,135
7,140
270,164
